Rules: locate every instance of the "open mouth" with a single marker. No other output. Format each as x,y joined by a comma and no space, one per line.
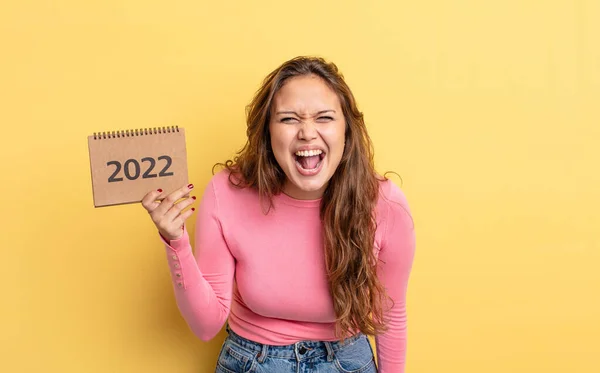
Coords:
309,162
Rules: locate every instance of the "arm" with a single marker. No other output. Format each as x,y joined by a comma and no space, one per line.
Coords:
203,283
395,262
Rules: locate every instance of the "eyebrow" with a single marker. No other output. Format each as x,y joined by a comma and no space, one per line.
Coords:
293,112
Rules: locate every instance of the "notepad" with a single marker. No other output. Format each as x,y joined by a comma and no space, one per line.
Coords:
127,164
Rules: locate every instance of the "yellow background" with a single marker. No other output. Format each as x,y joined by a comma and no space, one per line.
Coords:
487,109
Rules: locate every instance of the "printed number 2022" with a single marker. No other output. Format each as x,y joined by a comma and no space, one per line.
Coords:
137,169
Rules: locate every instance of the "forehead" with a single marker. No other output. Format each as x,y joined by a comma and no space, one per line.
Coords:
307,94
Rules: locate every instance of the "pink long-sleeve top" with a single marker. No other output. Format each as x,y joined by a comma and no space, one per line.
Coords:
266,273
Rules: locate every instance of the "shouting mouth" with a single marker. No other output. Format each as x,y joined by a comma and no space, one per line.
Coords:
309,162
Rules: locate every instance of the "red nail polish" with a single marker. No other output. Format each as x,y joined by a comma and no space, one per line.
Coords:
193,209
159,190
194,197
190,186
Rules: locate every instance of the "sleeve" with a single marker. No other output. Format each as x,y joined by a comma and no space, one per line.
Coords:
203,282
395,263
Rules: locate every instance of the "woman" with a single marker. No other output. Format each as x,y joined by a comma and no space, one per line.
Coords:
300,246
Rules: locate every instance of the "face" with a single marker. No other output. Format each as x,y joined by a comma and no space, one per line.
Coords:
307,130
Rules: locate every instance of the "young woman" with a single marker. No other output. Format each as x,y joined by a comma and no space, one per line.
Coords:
300,245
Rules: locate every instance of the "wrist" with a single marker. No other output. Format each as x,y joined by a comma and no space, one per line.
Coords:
168,238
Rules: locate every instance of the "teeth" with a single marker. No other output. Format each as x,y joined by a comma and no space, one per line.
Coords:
308,153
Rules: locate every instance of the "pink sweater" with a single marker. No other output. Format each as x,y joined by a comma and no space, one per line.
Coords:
266,273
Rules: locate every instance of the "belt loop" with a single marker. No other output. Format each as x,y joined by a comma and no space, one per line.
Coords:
262,355
329,350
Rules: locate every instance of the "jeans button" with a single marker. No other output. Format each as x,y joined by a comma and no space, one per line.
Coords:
302,350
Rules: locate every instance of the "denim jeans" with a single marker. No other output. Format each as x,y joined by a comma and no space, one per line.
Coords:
240,355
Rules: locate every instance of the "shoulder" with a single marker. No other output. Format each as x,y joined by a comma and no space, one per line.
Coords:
220,180
392,198
226,188
393,210
395,220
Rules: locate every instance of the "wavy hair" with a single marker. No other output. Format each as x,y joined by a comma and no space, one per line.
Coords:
347,206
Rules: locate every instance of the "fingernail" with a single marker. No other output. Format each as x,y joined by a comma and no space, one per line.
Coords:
193,197
193,209
190,186
159,190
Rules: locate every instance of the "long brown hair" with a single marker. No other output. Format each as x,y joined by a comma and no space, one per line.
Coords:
348,203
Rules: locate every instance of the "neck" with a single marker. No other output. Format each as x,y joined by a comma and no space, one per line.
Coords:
291,190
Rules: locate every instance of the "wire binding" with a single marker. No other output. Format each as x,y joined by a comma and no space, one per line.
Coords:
135,132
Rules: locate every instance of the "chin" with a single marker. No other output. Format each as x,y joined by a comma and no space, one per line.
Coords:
310,186
306,189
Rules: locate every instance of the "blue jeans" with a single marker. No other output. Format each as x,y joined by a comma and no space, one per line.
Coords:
240,355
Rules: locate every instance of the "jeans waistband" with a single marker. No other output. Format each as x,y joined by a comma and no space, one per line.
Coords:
300,350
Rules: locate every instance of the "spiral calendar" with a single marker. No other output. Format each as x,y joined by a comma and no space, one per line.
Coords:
127,164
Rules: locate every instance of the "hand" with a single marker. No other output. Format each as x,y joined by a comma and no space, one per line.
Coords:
168,214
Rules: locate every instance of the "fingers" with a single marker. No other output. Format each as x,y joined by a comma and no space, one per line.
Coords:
178,208
149,201
170,214
170,200
181,218
170,224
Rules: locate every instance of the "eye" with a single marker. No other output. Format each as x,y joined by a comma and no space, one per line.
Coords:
288,120
325,119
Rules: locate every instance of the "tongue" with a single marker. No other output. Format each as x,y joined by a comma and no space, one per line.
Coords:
308,163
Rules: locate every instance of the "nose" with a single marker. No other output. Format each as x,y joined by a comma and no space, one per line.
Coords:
308,131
